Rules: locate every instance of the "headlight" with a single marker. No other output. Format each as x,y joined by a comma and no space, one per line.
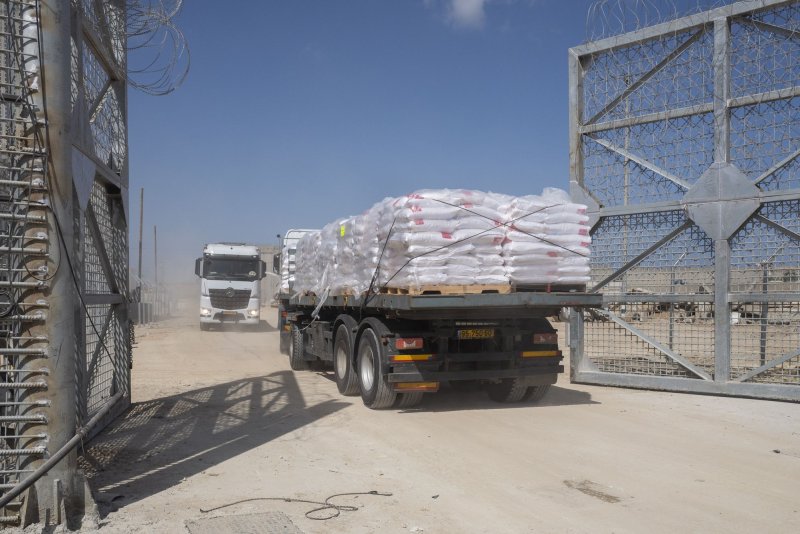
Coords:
252,313
205,311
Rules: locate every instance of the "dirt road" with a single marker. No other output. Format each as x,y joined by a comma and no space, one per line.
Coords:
219,417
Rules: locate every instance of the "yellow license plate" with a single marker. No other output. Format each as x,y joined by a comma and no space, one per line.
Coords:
227,312
476,333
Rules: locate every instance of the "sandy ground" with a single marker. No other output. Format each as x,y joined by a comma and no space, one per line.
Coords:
218,417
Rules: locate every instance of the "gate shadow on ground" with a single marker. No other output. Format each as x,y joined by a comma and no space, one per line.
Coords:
450,400
261,327
157,443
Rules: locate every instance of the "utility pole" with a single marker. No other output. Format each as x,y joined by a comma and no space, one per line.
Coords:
141,223
155,256
155,251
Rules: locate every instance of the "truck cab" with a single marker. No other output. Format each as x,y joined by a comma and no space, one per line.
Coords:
230,284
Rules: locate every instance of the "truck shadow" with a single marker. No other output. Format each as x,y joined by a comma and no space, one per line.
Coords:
158,443
449,400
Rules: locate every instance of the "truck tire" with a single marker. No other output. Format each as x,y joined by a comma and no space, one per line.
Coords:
508,390
296,361
375,389
535,393
343,369
409,400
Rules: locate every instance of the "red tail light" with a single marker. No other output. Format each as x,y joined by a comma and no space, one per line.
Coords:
408,343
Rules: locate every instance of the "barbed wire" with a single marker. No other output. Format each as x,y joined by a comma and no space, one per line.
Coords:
158,52
607,18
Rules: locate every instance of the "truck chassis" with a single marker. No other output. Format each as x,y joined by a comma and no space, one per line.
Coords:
392,349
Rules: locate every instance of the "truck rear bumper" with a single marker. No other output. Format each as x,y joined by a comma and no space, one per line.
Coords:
482,374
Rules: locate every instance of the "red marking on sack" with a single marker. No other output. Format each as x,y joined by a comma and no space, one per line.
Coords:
466,205
581,211
415,208
419,221
585,244
447,235
583,231
498,240
552,254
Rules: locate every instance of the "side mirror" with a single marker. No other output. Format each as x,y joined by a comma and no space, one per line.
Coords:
276,263
198,267
263,269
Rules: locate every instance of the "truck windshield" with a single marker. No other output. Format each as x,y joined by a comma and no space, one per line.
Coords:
230,269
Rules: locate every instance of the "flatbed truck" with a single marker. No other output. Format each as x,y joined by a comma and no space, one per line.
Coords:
393,348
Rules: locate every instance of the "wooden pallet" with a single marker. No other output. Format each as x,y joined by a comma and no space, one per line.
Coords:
477,289
547,288
448,289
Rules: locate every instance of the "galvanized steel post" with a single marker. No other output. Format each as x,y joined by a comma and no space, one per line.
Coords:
62,298
721,65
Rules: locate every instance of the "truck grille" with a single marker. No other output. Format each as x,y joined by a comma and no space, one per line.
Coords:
226,299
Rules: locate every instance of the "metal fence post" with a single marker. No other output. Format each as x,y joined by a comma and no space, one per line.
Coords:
60,325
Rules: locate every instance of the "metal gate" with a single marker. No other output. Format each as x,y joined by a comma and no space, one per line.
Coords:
64,333
684,143
100,177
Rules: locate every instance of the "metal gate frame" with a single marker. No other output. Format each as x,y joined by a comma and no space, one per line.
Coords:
721,201
100,177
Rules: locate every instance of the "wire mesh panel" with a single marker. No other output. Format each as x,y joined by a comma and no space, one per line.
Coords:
617,180
685,144
94,275
106,327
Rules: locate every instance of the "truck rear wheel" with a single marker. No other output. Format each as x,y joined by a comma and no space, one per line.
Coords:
508,390
346,377
375,390
535,393
296,350
409,400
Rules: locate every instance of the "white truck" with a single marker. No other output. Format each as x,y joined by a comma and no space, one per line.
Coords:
230,284
284,265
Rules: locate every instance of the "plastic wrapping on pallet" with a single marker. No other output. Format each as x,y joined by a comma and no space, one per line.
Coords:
287,269
449,237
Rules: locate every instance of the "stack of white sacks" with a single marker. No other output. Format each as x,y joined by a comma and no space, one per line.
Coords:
449,237
287,275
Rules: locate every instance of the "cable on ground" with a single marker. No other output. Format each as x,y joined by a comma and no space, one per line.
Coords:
334,510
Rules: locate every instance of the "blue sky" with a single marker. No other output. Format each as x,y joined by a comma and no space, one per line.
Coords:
297,112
